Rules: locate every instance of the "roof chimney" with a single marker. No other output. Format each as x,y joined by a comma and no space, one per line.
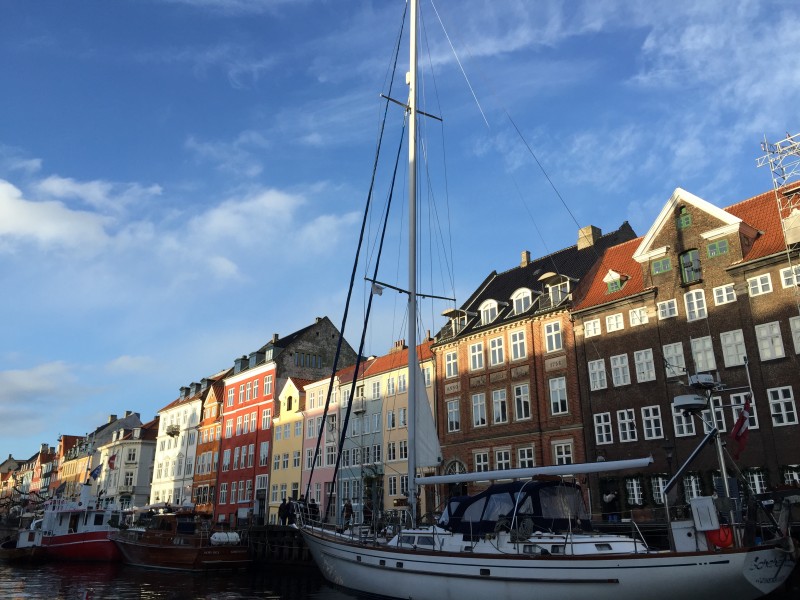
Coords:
275,338
587,236
526,258
112,418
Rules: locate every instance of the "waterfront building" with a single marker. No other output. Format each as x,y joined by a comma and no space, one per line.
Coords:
506,366
127,466
209,437
706,290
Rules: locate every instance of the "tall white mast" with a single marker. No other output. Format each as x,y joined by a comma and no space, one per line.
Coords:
412,262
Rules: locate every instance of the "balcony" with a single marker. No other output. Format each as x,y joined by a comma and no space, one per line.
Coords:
359,405
125,489
173,430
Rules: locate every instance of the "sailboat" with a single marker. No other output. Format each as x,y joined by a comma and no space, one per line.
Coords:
532,537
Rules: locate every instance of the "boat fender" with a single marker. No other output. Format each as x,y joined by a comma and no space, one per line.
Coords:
722,537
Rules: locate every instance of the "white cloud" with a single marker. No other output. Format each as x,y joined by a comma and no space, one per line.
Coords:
234,157
97,194
49,224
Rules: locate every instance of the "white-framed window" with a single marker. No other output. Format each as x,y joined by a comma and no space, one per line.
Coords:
478,410
714,415
691,487
267,385
558,396
502,459
591,328
620,373
391,419
724,294
499,406
645,366
633,490
781,406
496,352
552,334
638,316
597,374
481,458
695,302
673,359
488,312
558,292
518,346
770,342
684,425
733,348
626,425
762,284
603,433
667,309
562,453
522,402
402,384
453,416
790,276
703,354
757,480
526,457
391,452
402,417
390,387
657,484
737,405
521,300
393,485
451,364
651,421
476,356
614,322
794,325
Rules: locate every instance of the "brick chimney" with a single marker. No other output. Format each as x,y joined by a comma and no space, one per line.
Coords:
526,258
587,236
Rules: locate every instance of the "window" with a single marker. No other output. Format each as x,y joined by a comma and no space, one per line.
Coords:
451,364
476,356
246,427
591,328
684,425
737,405
562,453
667,309
226,460
558,292
376,390
703,354
558,396
691,487
266,418
757,481
717,248
499,407
496,353
781,406
645,367
651,420
236,458
759,285
238,425
403,450
241,393
502,459
481,461
714,416
263,454
522,401
478,410
690,266
661,266
267,385
249,390
521,300
488,312
401,382
789,278
733,349
620,374
673,359
770,343
603,434
794,325
613,285
229,428
724,294
552,334
391,421
255,388
526,458
614,322
633,491
390,386
684,219
597,375
230,397
223,493
518,347
626,425
638,316
453,416
657,484
695,305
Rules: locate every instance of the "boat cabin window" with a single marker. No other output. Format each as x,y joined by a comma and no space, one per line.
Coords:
98,519
474,511
562,503
557,549
407,540
425,540
603,547
498,506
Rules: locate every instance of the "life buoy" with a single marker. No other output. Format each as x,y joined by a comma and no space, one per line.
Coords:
722,537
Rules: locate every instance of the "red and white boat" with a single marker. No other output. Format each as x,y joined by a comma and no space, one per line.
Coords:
75,530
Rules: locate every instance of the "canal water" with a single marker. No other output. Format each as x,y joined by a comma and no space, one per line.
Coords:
85,581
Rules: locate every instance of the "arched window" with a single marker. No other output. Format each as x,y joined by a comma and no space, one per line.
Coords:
522,300
488,312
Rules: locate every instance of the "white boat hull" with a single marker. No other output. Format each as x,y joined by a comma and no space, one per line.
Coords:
429,575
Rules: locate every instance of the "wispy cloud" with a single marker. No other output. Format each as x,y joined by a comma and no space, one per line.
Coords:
97,194
236,157
130,364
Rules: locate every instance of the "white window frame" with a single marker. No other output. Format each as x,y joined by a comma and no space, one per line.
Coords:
526,457
737,405
451,364
591,328
638,316
559,403
668,309
703,354
597,375
476,356
734,350
645,365
554,341
652,424
453,416
479,418
603,431
794,326
759,285
497,355
695,303
714,415
684,424
499,406
724,294
782,406
488,311
620,371
562,452
674,361
770,341
614,322
788,279
522,402
519,349
626,425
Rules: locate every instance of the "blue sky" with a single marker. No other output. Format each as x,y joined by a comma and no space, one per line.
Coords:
180,179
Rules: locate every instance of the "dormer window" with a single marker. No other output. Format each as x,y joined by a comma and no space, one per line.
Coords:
522,300
558,292
690,266
614,281
488,312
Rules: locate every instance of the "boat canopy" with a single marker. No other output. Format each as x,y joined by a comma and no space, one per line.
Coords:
541,505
